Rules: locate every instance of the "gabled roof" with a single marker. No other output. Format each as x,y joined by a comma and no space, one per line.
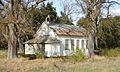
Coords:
59,29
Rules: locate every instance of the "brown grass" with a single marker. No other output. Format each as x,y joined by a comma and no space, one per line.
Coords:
95,64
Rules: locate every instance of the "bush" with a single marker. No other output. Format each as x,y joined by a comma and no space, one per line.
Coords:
39,54
76,56
79,55
115,52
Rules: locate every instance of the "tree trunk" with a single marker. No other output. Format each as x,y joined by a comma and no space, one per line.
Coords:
21,48
96,33
12,41
95,42
91,43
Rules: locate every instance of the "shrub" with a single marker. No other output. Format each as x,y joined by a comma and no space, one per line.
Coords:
76,56
115,52
39,54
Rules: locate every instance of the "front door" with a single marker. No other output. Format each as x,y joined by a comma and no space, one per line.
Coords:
54,51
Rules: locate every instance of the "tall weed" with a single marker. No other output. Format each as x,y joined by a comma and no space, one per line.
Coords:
114,52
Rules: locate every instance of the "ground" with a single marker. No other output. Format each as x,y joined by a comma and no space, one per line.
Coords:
96,64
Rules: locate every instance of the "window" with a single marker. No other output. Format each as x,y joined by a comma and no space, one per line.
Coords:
72,44
77,44
66,44
82,42
48,19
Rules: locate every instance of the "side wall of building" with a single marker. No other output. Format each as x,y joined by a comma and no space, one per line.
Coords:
51,50
30,48
73,44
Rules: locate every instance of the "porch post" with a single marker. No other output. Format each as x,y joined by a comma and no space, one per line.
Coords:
69,43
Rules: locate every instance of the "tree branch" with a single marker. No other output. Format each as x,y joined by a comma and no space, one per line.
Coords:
1,3
6,36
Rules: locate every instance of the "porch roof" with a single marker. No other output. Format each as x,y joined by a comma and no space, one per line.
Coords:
42,39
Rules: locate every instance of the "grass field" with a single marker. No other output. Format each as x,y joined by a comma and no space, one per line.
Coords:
96,64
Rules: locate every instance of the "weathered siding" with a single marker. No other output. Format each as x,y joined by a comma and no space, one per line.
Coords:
52,50
30,48
67,52
59,49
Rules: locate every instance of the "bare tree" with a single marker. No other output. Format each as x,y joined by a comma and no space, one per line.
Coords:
69,9
93,9
14,16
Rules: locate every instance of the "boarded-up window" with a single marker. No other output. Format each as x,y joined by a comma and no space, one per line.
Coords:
72,44
82,42
66,44
77,44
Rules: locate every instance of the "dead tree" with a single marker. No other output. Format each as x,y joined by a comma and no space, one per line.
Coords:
93,9
15,17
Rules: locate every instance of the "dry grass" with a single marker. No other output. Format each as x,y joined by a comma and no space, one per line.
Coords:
3,54
96,64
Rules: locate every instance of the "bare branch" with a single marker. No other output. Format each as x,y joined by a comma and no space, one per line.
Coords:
112,2
1,3
6,36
